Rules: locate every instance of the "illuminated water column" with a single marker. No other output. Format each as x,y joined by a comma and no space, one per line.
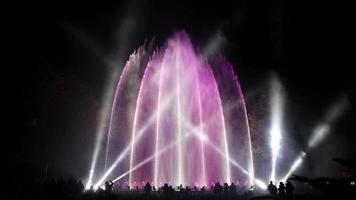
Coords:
133,139
118,89
156,165
179,126
251,167
203,173
226,148
136,117
236,116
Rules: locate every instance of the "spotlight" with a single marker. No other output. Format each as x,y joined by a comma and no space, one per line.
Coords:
276,103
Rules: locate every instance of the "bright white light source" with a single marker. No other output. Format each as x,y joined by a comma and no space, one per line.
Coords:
275,140
261,184
203,137
276,103
89,182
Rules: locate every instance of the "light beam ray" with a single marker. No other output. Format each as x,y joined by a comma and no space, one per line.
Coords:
276,103
150,158
155,181
320,132
139,135
118,88
196,133
297,162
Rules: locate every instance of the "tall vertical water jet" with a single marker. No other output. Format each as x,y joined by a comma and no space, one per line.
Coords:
251,167
156,166
122,108
179,125
235,113
223,130
201,129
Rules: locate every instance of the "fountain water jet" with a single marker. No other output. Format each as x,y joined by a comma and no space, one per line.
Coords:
199,100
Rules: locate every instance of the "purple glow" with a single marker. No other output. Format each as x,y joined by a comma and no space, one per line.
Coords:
201,96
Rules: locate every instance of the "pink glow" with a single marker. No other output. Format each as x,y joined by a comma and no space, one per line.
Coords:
199,99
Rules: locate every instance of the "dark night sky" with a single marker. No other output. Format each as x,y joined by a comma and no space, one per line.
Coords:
61,52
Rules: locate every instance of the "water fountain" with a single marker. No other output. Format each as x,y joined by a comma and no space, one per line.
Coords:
174,100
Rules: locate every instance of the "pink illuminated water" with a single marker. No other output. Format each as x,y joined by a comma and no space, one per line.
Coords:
167,108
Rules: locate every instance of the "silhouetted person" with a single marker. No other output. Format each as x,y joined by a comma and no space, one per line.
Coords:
281,189
187,189
108,186
202,189
80,186
218,188
91,189
272,188
71,185
226,188
233,188
170,190
289,188
195,188
100,190
147,188
166,189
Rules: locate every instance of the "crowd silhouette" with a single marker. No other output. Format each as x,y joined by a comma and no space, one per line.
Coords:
282,189
24,188
73,188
